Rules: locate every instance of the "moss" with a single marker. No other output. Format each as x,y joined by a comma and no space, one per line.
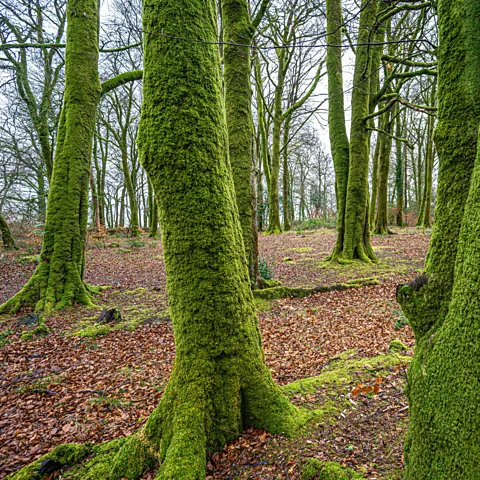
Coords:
66,454
7,237
300,250
237,28
315,469
40,331
444,430
351,182
93,331
397,346
29,258
342,369
299,292
219,382
58,279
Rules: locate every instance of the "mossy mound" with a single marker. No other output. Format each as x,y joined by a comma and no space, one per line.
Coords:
315,469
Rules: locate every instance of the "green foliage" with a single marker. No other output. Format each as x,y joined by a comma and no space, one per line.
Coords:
137,244
397,346
266,269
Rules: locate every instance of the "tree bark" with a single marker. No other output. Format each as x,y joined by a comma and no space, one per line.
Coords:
443,437
7,237
58,279
356,239
237,28
219,383
336,116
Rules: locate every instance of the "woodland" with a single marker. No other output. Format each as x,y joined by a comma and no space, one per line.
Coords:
239,239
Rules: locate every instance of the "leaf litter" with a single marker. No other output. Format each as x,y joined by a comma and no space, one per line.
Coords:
64,388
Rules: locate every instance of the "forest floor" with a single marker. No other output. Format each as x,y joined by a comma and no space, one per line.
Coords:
82,382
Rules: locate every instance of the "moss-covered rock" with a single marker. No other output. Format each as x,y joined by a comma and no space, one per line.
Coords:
397,346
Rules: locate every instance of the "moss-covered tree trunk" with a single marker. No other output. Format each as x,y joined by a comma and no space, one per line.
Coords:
58,279
274,223
443,438
219,383
429,161
375,166
7,237
336,116
239,29
381,220
286,176
399,173
356,238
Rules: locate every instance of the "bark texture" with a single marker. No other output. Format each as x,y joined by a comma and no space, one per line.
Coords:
7,237
58,279
444,433
219,383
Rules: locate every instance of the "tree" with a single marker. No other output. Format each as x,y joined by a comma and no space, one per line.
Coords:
442,306
239,29
7,237
353,240
219,383
58,279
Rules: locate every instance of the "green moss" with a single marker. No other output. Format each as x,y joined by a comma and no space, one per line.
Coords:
29,258
287,259
40,331
397,346
66,454
303,249
314,469
58,279
342,370
299,292
93,331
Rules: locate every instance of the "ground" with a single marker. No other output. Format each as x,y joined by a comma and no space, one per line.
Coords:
82,382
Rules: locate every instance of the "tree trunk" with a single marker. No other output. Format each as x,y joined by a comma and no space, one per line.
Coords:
356,242
237,28
286,175
219,383
7,237
399,173
443,437
153,212
430,158
336,117
58,279
274,224
381,223
130,190
376,154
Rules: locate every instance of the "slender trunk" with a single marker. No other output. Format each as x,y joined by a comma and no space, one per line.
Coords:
237,28
336,116
274,225
376,154
430,158
381,223
58,279
219,382
399,174
286,176
357,232
130,191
